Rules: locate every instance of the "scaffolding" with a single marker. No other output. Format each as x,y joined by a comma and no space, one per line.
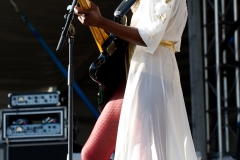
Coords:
221,72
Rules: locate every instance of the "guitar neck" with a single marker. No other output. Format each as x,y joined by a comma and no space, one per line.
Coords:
100,36
85,4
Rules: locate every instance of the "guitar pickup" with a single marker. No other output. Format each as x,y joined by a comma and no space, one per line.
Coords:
111,48
109,45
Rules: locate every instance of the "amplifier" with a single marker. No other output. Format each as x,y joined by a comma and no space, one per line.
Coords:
17,100
33,124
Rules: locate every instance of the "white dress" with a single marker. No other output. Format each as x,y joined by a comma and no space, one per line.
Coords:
153,123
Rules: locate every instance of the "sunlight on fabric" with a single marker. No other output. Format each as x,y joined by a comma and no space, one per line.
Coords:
185,148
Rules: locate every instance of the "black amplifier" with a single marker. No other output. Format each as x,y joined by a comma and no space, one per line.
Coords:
17,100
33,124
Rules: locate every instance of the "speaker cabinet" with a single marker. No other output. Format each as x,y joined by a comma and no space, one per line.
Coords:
38,151
3,155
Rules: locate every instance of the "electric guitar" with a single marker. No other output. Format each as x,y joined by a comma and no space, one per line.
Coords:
109,69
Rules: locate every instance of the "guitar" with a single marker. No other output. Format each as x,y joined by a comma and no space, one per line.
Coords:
109,69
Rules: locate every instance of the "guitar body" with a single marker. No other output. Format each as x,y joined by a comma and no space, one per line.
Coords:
109,70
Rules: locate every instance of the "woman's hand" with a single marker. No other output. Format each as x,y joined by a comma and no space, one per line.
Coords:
91,17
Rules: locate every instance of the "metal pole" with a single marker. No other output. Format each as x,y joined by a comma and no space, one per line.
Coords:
205,48
196,75
225,86
218,79
70,97
236,46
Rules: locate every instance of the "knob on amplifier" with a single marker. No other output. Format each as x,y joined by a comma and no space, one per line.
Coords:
33,99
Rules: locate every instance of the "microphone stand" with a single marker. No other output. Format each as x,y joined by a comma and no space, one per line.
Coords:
69,31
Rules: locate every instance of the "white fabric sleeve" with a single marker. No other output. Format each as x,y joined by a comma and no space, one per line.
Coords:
154,16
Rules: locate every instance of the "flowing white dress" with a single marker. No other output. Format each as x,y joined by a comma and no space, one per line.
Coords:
153,123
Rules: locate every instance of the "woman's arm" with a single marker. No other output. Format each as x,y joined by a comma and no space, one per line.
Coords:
93,17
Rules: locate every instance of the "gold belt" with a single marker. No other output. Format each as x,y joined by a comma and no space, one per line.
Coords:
131,48
167,44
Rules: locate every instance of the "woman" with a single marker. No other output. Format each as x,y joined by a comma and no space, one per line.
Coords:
153,122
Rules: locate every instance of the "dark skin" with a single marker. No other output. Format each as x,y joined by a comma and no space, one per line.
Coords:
93,17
